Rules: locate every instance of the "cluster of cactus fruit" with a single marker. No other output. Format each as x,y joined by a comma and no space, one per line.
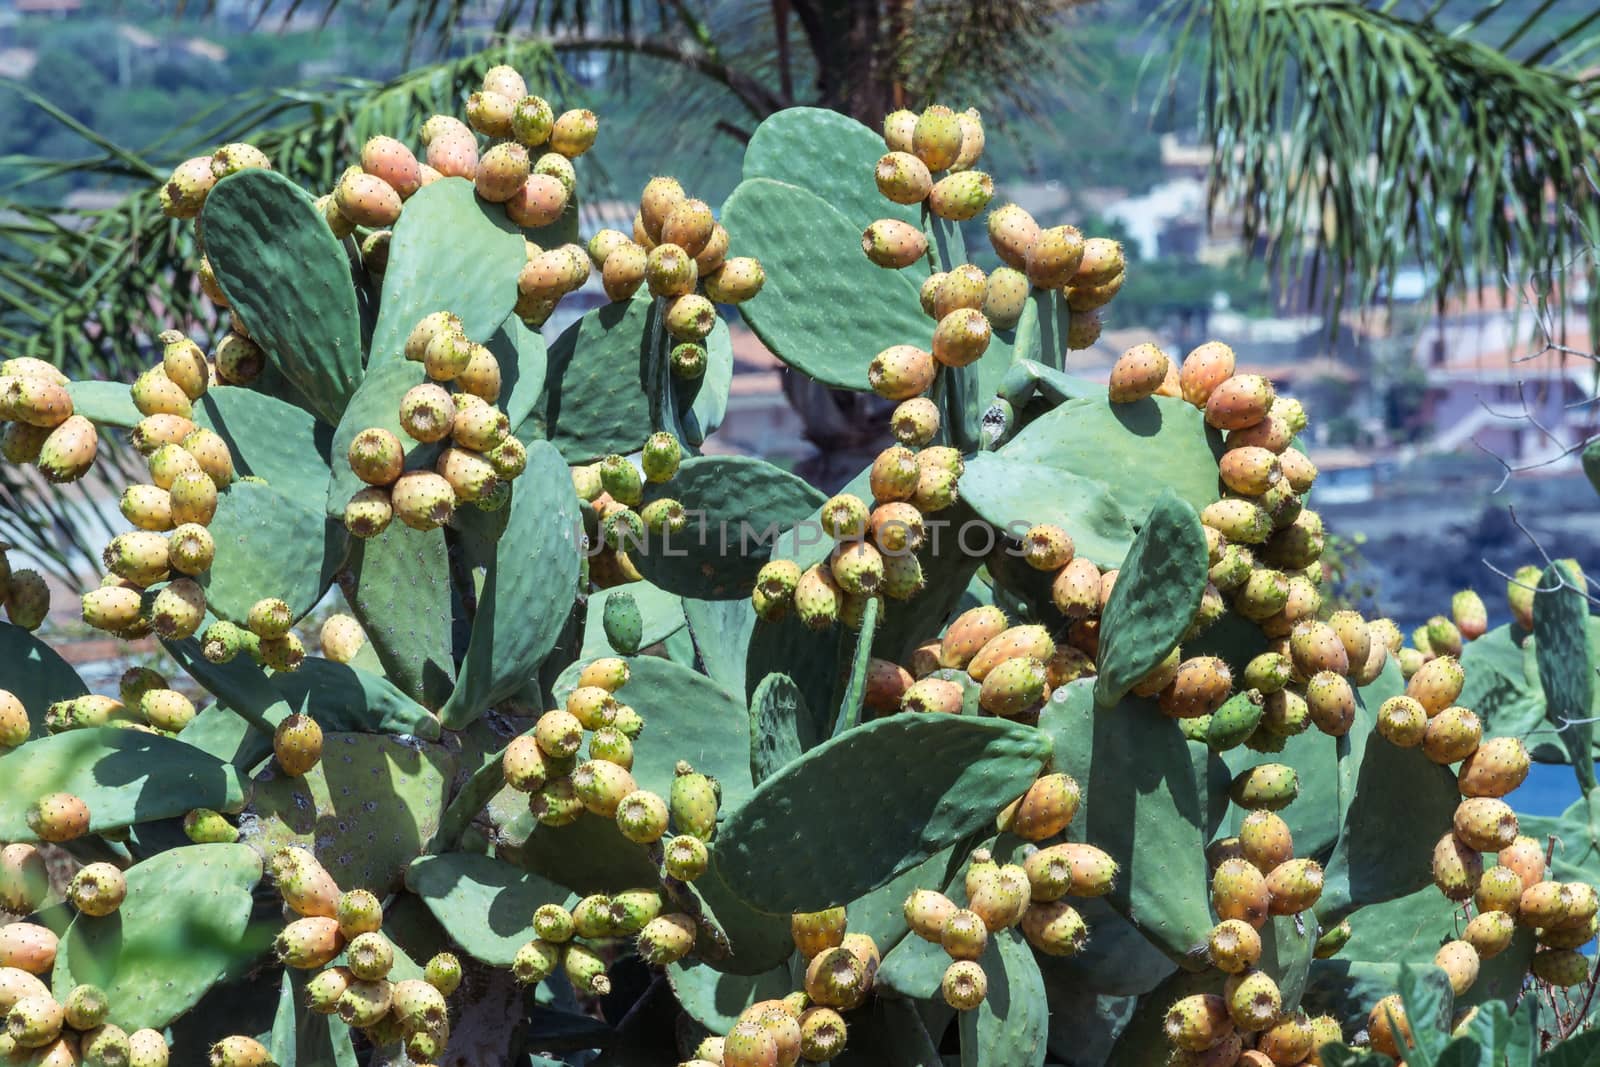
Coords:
1113,787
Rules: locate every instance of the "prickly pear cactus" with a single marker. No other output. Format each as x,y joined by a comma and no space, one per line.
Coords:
1035,744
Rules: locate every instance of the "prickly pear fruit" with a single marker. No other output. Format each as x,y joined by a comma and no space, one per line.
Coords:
1497,767
1054,257
1197,1022
964,985
961,196
1044,810
901,372
693,802
1437,684
1295,886
309,943
1563,968
893,244
1456,868
1138,373
936,137
1013,687
1070,869
1199,687
903,178
1234,946
98,889
1239,891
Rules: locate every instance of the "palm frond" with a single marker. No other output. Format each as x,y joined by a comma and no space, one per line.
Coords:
1353,141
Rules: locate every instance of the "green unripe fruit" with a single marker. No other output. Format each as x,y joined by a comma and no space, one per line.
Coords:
222,641
693,802
622,480
964,936
666,939
86,1007
818,599
98,889
370,956
365,1003
205,827
532,119
1013,687
586,971
601,786
1269,787
443,972
936,137
642,817
961,196
622,619
660,457
1332,941
688,361
104,1046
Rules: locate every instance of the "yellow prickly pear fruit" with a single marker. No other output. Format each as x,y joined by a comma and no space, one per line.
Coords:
936,138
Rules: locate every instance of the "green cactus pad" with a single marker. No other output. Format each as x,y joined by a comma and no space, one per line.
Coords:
1155,598
686,717
345,698
744,501
825,153
367,809
915,967
484,904
524,363
533,581
1041,340
1027,379
35,675
1139,450
1005,491
1140,799
106,404
1566,663
1286,946
1012,1024
588,856
287,278
758,941
721,632
714,998
1506,695
221,732
301,1037
449,253
814,660
812,297
399,589
662,612
1409,930
338,696
124,776
269,544
596,401
183,928
957,772
1375,857
269,439
781,727
855,689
